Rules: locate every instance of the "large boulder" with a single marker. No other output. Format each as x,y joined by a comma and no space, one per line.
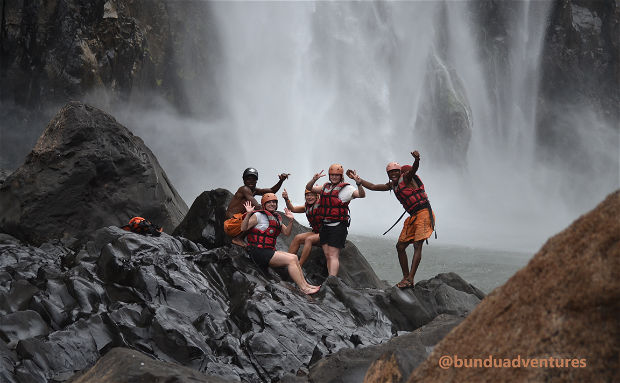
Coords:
86,172
559,315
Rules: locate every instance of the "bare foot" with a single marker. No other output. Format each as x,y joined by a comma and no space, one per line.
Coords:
239,242
311,289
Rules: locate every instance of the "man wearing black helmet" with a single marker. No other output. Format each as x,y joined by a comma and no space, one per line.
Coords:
236,209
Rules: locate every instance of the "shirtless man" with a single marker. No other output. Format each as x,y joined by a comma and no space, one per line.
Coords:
409,190
236,208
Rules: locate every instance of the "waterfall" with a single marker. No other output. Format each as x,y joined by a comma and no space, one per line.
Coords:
307,84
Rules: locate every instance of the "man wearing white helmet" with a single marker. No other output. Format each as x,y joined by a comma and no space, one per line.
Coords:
409,190
234,213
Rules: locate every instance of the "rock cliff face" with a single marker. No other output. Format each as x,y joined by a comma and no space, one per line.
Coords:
564,305
87,171
110,51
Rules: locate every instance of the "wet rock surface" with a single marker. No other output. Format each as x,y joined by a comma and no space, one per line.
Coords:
212,311
86,172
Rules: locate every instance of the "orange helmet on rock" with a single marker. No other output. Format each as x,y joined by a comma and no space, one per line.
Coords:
268,197
392,166
336,169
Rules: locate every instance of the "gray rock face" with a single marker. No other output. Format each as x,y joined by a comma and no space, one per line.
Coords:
444,124
86,172
104,51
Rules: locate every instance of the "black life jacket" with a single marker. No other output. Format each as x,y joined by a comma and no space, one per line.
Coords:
266,239
142,226
312,214
413,200
332,208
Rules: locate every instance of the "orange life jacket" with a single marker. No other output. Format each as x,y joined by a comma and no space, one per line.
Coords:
142,226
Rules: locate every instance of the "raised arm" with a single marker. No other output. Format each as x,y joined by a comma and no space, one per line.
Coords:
369,185
247,194
414,168
360,192
286,230
249,221
311,186
274,189
289,205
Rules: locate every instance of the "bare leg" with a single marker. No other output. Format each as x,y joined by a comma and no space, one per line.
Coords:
311,240
401,249
417,257
280,259
297,241
332,254
240,239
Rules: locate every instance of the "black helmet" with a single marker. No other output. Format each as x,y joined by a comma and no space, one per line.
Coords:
250,172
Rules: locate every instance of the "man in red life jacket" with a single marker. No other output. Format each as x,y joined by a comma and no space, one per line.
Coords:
409,190
311,238
334,199
263,228
234,213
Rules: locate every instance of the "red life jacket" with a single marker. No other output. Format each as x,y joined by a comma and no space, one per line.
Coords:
266,239
413,200
314,219
332,208
142,226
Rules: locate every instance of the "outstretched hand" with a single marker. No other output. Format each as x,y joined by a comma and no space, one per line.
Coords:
318,175
288,213
415,155
248,206
285,194
350,173
284,176
354,176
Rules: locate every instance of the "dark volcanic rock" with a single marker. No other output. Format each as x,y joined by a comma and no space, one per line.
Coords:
212,310
564,305
406,351
204,222
87,171
131,366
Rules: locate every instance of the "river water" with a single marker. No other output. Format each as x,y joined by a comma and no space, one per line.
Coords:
484,268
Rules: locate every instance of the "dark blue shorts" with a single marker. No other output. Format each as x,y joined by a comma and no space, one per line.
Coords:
334,236
261,256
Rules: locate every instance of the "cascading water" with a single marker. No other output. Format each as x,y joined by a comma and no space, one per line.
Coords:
307,84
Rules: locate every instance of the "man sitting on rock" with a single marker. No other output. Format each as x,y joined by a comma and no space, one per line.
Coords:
236,209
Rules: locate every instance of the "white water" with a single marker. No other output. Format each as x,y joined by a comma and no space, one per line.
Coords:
307,84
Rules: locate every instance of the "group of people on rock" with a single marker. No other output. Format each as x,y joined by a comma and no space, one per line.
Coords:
327,210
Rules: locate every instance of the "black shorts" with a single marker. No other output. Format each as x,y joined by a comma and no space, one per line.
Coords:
261,256
334,236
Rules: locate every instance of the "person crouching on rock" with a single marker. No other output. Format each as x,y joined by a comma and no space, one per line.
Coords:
334,199
234,213
263,228
409,190
311,238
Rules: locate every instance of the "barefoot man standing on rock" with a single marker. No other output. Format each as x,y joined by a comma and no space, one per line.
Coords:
236,209
409,190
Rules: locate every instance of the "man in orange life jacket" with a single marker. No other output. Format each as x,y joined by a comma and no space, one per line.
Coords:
409,190
234,213
311,238
263,228
335,196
